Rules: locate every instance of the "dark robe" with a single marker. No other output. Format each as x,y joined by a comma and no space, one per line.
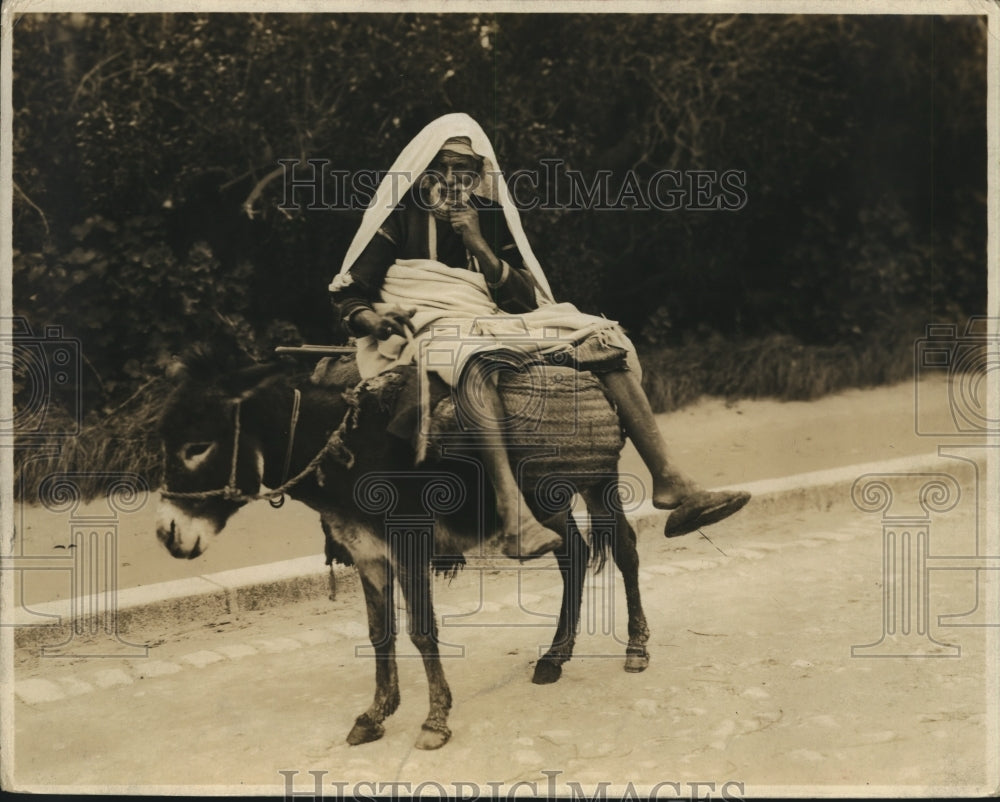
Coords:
405,235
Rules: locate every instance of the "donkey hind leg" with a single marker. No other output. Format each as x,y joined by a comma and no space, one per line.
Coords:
605,510
413,553
376,580
572,557
627,560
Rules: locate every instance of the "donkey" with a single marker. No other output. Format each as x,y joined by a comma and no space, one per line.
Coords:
230,434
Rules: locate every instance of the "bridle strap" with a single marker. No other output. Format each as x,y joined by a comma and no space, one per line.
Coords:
296,404
275,497
230,488
230,491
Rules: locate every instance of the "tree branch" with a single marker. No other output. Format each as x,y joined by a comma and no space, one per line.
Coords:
100,381
131,398
259,188
33,205
87,75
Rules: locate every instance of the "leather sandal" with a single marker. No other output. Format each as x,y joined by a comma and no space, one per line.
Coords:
704,508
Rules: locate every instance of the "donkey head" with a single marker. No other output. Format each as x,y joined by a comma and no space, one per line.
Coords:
212,459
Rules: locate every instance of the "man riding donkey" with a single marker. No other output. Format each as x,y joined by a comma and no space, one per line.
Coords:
440,252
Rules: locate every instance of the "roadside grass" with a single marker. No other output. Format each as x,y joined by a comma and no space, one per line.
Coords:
125,440
778,367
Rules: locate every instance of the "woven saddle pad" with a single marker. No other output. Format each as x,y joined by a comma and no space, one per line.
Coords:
558,420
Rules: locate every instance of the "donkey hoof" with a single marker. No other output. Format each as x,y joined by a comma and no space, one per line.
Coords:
546,672
432,738
364,731
636,660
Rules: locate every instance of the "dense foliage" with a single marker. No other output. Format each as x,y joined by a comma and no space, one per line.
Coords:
147,197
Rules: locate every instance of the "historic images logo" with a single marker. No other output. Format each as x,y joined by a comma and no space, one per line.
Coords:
469,791
913,504
553,186
47,411
42,367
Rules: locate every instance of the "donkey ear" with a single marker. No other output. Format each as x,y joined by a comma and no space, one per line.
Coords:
244,383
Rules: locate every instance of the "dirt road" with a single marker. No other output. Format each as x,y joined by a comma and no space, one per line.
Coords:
752,687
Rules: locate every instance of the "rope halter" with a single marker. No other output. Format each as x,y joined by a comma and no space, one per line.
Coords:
276,497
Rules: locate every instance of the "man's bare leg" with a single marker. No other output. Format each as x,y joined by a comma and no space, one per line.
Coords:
693,505
523,536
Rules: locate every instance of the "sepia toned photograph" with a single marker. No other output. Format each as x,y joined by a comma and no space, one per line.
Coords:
500,400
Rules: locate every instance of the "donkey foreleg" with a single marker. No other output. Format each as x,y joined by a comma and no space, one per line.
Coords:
376,580
413,554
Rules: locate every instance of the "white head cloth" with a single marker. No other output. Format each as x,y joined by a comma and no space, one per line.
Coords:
415,158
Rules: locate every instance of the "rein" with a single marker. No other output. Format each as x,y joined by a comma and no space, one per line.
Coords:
276,497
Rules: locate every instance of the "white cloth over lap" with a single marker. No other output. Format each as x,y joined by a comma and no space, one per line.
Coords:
456,319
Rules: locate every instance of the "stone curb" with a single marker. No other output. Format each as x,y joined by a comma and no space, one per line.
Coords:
822,490
228,594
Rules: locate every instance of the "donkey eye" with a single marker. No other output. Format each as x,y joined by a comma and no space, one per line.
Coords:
194,454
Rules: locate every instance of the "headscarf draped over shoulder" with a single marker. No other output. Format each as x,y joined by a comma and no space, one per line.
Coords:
415,158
